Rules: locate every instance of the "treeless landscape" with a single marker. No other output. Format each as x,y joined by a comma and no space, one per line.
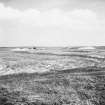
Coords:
52,76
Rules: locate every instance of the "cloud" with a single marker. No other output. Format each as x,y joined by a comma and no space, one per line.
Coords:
47,18
51,27
8,12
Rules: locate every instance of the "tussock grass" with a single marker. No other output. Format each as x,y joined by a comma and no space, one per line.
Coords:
52,89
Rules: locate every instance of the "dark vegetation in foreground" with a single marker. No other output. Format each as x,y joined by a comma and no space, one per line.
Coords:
56,88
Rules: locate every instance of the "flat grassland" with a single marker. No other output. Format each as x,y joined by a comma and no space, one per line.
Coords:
52,76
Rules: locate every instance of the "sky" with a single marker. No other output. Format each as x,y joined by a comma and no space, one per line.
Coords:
52,22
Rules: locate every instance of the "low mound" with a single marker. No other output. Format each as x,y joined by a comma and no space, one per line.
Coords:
87,48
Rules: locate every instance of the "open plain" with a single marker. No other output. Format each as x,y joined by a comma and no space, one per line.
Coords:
52,76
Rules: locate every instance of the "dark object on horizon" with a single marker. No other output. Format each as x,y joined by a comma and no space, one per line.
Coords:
34,47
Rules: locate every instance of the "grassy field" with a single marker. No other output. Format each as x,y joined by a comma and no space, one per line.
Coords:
52,77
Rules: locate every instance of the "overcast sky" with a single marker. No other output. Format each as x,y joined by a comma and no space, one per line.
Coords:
52,22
